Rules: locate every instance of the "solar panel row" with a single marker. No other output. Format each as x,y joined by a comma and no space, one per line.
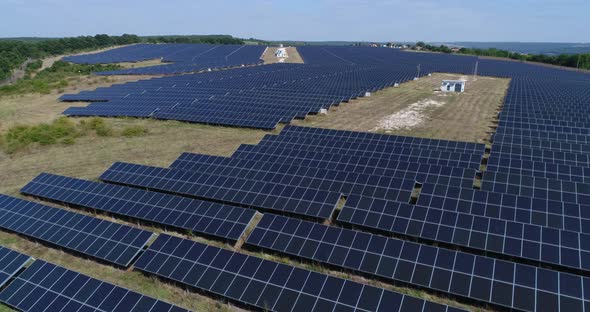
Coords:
47,287
256,97
105,240
267,284
11,262
176,58
198,216
422,173
504,283
561,248
262,194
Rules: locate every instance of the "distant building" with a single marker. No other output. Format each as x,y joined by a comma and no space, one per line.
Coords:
453,86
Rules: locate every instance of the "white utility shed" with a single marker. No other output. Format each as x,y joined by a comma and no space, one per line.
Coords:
453,86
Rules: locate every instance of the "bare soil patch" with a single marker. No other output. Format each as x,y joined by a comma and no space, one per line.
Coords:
269,56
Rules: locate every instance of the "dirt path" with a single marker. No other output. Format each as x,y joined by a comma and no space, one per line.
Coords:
17,74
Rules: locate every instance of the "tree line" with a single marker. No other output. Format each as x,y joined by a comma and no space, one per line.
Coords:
211,39
581,61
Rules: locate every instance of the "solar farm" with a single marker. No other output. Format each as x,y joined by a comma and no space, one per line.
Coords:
275,210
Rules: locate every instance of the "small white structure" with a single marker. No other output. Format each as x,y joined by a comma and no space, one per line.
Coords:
281,53
453,86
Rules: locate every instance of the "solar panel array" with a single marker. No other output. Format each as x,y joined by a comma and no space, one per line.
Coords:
266,284
11,262
198,216
519,240
266,195
105,240
177,58
504,283
255,97
264,96
47,287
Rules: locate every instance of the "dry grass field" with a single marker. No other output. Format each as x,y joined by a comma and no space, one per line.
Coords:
415,109
462,117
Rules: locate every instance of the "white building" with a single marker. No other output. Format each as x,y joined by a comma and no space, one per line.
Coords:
281,53
453,86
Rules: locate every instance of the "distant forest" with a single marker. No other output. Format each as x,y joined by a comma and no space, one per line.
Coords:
14,52
581,61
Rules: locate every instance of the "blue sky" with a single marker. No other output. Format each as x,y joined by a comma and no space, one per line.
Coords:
350,20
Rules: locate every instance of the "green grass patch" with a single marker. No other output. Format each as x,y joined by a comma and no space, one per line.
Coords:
19,137
134,131
98,125
61,131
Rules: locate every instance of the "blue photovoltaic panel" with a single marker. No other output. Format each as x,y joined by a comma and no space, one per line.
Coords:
445,158
537,187
267,284
526,241
176,57
523,209
395,184
542,105
10,263
262,153
485,279
422,173
46,287
256,97
342,136
261,194
190,214
108,241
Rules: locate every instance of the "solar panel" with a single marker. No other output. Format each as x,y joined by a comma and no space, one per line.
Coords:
523,209
375,138
388,183
559,248
199,216
542,188
445,158
357,141
268,154
267,284
257,97
485,279
101,239
47,287
505,164
11,262
260,194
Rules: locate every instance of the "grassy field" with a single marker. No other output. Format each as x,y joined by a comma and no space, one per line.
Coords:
415,109
90,155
